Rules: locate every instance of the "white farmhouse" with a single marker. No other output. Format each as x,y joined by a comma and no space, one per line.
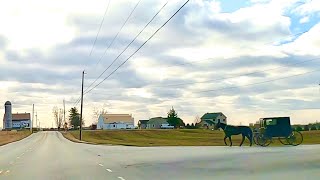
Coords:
115,121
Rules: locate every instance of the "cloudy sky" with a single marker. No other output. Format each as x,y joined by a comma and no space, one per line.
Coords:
245,58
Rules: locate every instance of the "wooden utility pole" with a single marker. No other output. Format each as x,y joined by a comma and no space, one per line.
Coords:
36,120
31,123
81,105
64,111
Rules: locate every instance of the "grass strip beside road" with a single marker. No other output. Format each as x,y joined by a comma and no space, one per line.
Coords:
181,137
12,136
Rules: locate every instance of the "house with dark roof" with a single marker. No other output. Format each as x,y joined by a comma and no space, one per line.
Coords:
158,123
208,120
142,124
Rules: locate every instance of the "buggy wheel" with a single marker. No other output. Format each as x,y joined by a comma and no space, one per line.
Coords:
263,140
284,141
295,138
255,139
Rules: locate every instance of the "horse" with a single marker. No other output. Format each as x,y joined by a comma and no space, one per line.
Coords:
245,131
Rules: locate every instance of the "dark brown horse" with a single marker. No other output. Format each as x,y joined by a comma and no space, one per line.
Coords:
245,131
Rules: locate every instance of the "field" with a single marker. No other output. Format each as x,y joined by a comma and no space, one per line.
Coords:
183,137
12,136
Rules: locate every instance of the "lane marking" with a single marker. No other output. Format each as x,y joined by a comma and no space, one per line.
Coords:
109,170
7,171
121,178
18,157
101,165
0,171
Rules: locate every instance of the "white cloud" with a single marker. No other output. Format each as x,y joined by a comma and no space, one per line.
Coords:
306,44
308,7
304,20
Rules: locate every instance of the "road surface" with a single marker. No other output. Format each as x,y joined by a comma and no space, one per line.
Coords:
48,155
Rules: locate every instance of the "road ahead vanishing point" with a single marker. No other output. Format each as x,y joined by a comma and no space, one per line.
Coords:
48,155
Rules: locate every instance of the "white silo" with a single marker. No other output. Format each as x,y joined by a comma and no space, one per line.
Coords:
7,115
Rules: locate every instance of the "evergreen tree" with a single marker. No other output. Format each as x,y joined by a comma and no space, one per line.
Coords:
74,117
173,119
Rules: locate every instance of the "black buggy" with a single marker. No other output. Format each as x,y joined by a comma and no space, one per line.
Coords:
277,127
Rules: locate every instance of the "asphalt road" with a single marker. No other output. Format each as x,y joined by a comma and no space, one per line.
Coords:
48,155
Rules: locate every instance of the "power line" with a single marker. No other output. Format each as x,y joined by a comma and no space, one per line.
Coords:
212,58
262,82
111,43
105,12
139,47
279,67
235,76
115,37
128,45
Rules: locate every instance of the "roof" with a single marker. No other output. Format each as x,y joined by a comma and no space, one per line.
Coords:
19,117
111,118
143,121
7,103
158,120
280,118
211,115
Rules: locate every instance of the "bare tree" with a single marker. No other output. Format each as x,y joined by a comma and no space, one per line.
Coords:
96,114
60,118
55,112
197,119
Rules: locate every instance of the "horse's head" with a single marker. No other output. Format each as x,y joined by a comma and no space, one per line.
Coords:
217,125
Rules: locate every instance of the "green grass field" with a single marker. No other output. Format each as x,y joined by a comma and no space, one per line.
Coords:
183,137
12,136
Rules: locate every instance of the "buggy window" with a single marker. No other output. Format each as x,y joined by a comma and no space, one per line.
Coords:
271,122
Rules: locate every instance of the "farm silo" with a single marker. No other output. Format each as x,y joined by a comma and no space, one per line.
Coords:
7,115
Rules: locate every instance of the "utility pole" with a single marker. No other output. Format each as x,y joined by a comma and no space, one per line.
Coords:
36,119
64,111
81,105
31,123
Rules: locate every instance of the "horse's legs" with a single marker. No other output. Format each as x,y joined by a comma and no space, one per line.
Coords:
242,140
250,139
225,140
230,141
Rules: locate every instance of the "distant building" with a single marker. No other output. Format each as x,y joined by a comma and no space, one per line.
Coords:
7,118
15,121
255,126
142,124
158,123
115,121
20,121
208,120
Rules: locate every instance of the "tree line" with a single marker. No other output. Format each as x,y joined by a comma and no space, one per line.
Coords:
73,119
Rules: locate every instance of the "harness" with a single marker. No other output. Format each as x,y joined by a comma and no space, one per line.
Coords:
225,127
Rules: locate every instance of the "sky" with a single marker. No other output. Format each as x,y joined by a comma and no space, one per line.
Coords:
247,58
